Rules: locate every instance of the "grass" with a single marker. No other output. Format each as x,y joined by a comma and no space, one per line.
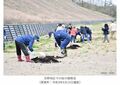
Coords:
9,47
47,44
38,46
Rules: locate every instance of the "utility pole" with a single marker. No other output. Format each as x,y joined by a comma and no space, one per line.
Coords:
82,3
105,3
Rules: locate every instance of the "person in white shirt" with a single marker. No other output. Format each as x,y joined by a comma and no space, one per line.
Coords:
113,28
62,27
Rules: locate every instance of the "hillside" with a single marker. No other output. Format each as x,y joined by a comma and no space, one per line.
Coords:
42,11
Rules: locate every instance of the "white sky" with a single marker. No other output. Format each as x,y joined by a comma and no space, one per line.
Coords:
100,1
114,2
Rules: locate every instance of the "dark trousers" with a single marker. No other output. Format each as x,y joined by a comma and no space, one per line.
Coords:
21,46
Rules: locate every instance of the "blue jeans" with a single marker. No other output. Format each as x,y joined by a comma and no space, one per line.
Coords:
83,36
73,39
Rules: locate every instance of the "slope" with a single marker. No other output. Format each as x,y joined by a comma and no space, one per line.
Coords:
44,11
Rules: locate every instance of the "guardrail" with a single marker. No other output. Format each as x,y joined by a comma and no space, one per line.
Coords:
12,31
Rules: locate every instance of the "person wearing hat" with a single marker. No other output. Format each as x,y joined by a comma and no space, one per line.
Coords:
22,42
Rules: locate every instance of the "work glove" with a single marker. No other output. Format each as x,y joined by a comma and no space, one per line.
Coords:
32,54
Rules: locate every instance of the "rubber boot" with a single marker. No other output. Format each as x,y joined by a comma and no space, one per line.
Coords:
64,52
19,58
28,59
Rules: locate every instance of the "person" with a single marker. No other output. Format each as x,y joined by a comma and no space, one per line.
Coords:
62,38
106,32
89,32
5,34
84,34
50,34
73,33
69,26
4,37
113,29
22,42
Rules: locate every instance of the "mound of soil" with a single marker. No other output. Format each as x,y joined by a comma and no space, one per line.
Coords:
47,59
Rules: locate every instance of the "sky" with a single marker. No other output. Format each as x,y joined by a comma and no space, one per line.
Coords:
114,2
100,2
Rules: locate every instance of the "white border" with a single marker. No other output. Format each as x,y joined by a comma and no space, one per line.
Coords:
34,80
1,37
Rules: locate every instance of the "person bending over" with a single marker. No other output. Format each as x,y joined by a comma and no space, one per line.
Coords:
25,43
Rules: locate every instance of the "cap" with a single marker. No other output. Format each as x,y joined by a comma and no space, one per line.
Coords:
36,37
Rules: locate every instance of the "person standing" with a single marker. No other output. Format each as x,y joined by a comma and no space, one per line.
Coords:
105,30
22,42
4,37
113,28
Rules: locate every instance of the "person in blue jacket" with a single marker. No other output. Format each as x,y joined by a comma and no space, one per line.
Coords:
62,38
89,32
4,37
50,34
22,42
106,32
83,34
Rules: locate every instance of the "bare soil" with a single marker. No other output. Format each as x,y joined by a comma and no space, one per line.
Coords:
98,58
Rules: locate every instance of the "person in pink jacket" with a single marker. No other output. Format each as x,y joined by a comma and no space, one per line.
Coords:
73,33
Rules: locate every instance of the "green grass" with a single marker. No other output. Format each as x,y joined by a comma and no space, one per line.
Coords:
47,44
9,46
37,46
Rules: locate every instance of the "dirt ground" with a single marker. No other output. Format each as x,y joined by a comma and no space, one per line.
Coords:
97,59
